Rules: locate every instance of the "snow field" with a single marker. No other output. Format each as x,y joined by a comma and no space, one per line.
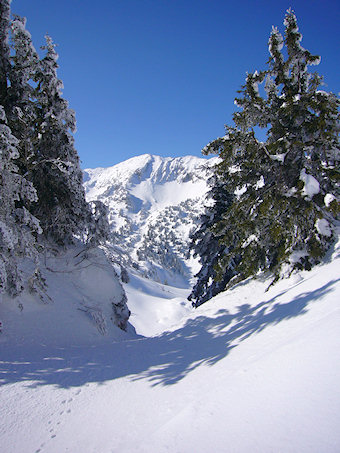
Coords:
249,371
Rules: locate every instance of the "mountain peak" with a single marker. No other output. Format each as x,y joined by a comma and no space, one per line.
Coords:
153,202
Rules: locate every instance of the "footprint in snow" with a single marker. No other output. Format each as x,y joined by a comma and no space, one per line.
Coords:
39,449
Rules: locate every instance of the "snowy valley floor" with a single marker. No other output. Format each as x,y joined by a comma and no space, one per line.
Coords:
250,371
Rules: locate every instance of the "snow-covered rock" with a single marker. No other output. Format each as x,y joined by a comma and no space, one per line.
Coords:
154,202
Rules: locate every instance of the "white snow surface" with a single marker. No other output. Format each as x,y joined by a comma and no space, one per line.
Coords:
160,180
328,199
323,227
249,371
311,187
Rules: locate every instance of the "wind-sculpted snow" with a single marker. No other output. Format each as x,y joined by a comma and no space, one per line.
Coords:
154,202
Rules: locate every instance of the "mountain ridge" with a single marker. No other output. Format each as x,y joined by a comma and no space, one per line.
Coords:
154,202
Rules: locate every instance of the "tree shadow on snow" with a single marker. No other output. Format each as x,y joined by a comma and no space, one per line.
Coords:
162,360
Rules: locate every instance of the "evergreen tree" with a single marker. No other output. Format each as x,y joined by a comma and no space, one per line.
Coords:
22,102
98,227
286,189
206,245
56,174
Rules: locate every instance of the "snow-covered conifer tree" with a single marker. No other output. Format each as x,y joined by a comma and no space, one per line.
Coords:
206,244
22,109
286,189
98,227
18,227
56,174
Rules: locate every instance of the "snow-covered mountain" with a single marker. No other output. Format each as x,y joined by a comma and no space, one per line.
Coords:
154,202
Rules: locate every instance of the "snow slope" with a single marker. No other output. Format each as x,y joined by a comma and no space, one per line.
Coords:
250,371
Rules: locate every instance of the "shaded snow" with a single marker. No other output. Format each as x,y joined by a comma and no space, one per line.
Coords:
250,371
76,307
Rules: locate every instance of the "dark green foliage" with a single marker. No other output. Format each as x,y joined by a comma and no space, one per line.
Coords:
206,244
285,189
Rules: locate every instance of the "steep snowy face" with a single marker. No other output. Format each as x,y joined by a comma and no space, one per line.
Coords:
154,202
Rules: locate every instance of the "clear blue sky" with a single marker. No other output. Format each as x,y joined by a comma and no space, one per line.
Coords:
160,76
